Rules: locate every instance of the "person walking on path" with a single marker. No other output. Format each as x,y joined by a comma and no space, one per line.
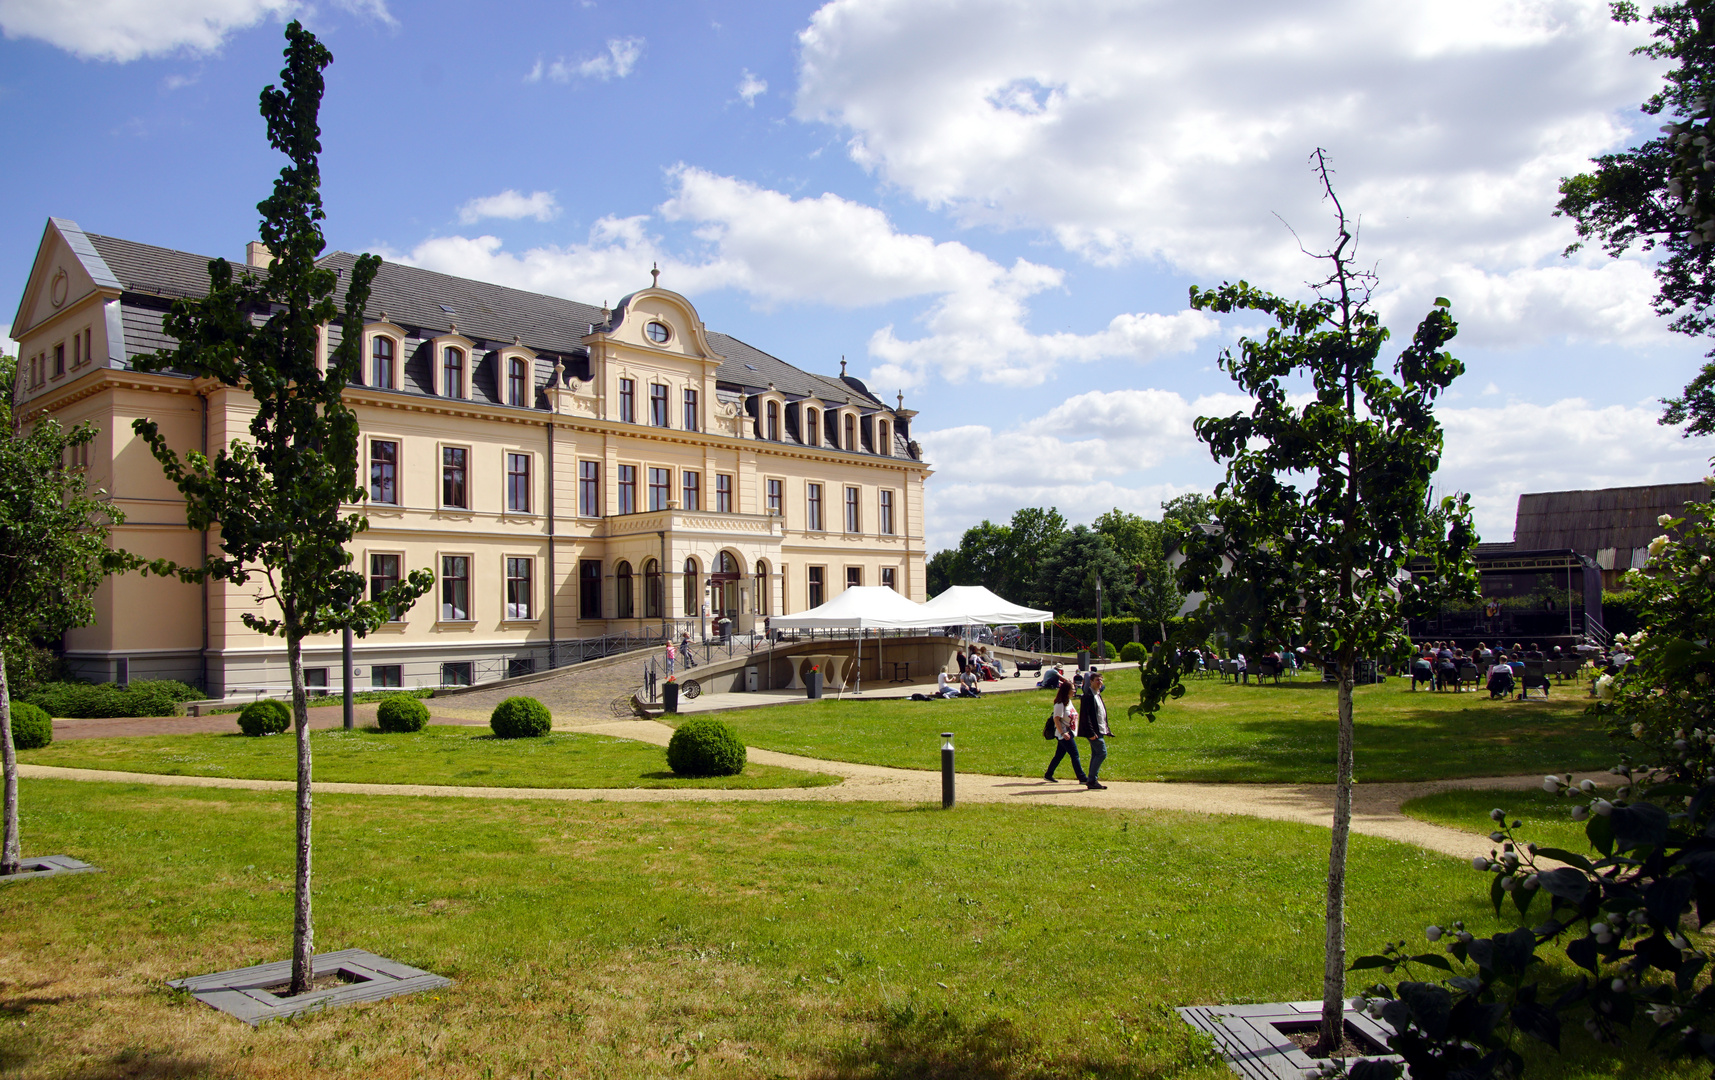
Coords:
685,649
672,654
1093,725
1065,734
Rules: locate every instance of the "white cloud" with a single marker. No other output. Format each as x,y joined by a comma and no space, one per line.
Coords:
8,347
750,87
1096,450
511,205
831,250
616,63
1175,132
126,30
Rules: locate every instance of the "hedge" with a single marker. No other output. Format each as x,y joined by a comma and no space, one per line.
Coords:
143,697
1116,631
31,727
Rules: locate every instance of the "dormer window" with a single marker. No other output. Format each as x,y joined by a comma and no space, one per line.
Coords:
658,332
851,433
812,422
518,383
452,372
382,350
773,421
884,438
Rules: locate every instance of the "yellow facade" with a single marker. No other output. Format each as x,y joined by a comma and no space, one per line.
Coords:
548,483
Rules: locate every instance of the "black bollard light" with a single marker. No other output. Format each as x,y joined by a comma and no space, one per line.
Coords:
946,770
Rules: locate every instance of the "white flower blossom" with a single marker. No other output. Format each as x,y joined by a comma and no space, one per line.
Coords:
1657,546
1605,688
1664,520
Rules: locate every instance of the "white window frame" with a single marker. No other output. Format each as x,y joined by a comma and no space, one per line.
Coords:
441,579
506,590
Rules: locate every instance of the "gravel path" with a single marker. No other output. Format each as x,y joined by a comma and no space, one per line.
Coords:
1375,806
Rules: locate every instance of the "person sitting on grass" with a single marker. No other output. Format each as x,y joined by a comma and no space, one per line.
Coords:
1052,677
1500,677
968,684
944,687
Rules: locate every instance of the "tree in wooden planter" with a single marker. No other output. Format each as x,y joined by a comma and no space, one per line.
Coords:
53,555
1325,504
276,497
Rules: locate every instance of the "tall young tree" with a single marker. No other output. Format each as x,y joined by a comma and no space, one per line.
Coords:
53,555
1660,194
1336,492
276,498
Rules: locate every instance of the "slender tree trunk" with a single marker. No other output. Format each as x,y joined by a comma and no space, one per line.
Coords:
10,855
1334,958
303,930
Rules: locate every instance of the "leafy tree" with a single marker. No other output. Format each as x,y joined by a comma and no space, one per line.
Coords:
1141,543
1181,512
275,499
1661,193
53,555
985,556
1035,532
1067,582
1335,495
1131,535
943,570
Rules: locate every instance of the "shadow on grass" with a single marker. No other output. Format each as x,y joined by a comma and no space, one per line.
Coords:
137,1064
913,1044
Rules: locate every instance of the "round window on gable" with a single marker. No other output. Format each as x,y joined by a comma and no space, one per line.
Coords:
658,332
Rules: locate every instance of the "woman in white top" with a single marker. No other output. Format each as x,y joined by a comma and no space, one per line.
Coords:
943,688
1065,733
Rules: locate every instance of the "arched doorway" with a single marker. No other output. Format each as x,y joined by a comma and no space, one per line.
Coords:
724,586
623,596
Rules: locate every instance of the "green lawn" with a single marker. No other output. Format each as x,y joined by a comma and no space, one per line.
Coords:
462,756
1217,733
709,940
1547,818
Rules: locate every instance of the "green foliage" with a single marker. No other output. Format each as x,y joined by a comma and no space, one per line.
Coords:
521,718
80,700
32,728
1622,612
265,717
1066,583
1071,634
401,713
703,746
1003,558
1132,652
1659,193
943,571
29,664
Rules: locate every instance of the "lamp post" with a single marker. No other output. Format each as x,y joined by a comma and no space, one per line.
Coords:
345,667
946,770
1101,640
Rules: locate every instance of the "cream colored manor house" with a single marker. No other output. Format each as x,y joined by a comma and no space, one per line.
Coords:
567,471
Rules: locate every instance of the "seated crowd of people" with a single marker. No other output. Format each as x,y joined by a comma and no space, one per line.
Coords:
1499,670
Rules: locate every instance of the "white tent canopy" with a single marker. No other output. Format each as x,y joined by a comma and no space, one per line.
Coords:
966,604
862,607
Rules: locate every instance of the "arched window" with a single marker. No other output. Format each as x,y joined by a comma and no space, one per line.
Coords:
381,363
452,372
774,421
884,437
761,587
623,596
652,590
851,433
691,592
812,426
518,383
727,575
727,564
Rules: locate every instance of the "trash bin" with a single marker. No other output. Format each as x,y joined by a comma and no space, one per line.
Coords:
750,682
1083,659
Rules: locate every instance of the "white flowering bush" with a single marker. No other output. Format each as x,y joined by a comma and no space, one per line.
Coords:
1626,914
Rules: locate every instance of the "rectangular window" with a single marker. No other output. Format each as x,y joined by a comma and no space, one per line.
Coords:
589,589
518,483
723,493
384,676
589,488
693,487
657,405
384,471
77,349
628,489
817,587
455,588
628,401
455,476
660,488
383,575
887,579
88,346
452,373
59,359
884,437
814,515
691,421
854,576
316,681
518,382
381,363
519,591
776,497
853,522
887,513
456,674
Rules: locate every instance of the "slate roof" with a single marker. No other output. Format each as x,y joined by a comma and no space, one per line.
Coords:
413,297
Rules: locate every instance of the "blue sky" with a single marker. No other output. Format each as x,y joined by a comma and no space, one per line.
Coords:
996,207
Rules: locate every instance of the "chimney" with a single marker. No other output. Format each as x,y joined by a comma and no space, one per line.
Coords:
256,254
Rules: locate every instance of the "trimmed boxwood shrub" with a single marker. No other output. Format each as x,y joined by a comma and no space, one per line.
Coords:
1131,652
266,717
401,712
32,729
705,747
521,718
